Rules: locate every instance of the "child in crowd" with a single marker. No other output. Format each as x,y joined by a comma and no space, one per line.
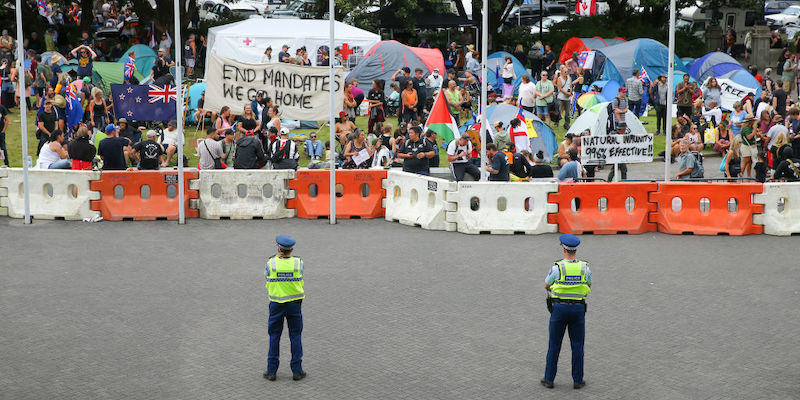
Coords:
761,167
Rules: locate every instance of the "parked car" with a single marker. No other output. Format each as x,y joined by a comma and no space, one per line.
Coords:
790,14
303,9
231,10
547,22
777,7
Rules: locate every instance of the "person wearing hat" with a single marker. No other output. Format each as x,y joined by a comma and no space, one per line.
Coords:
170,141
620,106
750,138
284,275
114,150
148,152
621,129
568,284
129,132
284,151
283,55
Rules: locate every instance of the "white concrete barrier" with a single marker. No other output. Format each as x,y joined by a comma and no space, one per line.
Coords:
502,207
781,216
417,200
243,194
54,194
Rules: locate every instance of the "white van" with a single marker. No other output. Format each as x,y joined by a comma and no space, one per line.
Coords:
696,19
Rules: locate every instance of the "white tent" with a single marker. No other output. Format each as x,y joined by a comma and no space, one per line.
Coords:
245,41
595,119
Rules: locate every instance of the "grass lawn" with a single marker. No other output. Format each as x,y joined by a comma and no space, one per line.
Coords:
14,139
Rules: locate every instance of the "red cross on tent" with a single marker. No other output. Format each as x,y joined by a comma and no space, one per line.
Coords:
247,41
346,51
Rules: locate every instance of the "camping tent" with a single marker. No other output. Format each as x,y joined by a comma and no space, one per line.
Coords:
145,58
245,41
582,44
595,119
713,64
48,55
619,61
385,58
545,139
106,73
494,66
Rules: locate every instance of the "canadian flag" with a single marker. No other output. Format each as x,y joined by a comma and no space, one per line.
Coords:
586,7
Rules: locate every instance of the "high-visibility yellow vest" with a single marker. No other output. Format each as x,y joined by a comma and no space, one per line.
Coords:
571,283
284,279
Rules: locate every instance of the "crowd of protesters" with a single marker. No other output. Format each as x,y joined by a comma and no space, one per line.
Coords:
760,137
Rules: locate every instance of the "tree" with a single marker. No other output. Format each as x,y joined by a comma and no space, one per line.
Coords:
163,16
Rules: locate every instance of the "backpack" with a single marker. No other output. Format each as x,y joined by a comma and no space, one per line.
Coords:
697,171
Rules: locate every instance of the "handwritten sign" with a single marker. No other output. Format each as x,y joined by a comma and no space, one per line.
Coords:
300,92
615,149
731,92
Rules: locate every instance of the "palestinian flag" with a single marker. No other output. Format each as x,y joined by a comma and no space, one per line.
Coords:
440,120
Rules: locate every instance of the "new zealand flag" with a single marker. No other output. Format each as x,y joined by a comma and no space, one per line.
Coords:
144,102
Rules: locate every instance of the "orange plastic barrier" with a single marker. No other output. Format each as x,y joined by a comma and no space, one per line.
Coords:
603,208
359,193
706,208
142,195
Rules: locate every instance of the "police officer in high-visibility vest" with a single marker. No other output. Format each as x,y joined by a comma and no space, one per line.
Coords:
568,283
284,274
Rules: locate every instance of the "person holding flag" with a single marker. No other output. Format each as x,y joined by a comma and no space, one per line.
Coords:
130,66
73,106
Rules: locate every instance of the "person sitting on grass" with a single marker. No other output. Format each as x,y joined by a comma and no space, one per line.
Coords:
53,154
313,147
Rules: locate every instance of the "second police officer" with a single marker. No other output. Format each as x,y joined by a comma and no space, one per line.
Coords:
284,274
568,284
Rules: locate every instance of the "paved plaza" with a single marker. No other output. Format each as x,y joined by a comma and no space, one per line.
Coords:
154,310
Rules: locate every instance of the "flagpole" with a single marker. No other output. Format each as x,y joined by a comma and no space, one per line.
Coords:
670,90
332,119
23,113
179,109
484,81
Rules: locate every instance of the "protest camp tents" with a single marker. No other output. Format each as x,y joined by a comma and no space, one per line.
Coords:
385,58
245,41
618,62
576,44
713,64
145,58
104,73
494,66
594,118
545,139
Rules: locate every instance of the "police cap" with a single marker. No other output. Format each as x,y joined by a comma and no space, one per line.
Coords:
285,241
569,241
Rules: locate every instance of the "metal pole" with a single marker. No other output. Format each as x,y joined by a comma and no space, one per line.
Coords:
541,14
670,72
23,113
484,82
179,109
332,120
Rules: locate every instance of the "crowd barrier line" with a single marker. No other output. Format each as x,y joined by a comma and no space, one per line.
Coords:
604,208
781,214
143,195
54,194
417,200
359,193
243,194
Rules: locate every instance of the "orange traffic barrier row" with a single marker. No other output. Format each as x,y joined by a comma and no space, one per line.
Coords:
359,193
142,195
706,208
603,208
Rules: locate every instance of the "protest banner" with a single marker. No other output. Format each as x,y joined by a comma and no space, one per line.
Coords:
617,149
300,92
731,91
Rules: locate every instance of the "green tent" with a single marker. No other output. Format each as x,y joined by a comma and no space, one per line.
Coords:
106,73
